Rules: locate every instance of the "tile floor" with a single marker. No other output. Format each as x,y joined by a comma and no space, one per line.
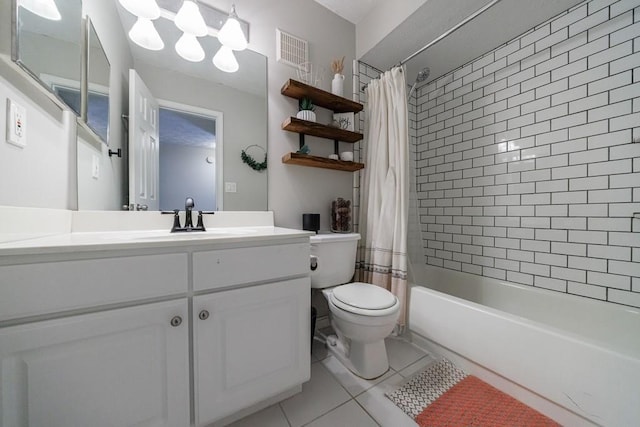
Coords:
334,397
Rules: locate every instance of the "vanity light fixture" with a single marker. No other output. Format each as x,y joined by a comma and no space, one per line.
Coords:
231,35
44,8
189,48
145,35
147,9
190,21
225,60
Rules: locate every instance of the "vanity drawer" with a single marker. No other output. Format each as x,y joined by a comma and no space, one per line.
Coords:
228,267
42,288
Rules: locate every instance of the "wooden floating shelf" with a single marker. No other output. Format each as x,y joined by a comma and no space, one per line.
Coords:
338,104
293,124
320,162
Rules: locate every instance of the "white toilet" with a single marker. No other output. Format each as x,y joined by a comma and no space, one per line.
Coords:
362,315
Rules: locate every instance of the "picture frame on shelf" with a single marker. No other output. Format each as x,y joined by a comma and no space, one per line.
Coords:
345,121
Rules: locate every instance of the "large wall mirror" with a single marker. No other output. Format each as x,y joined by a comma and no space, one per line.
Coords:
97,85
47,43
206,118
91,99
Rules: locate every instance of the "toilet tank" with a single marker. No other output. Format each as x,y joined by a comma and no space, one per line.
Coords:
336,258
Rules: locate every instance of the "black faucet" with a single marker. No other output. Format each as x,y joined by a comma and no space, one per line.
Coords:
189,204
188,207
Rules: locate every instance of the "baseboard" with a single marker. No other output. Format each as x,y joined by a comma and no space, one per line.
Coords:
526,396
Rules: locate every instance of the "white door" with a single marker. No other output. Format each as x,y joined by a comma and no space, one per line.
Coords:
125,367
250,344
144,145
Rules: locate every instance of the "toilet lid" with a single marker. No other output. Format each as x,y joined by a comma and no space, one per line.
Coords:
364,296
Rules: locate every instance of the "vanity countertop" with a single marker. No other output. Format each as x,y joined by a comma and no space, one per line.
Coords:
38,231
144,239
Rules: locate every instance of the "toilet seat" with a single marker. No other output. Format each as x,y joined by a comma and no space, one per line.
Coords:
364,299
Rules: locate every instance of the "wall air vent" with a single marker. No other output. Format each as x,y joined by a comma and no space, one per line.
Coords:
291,50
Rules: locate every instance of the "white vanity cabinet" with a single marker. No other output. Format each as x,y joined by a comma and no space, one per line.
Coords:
94,340
121,367
170,331
251,342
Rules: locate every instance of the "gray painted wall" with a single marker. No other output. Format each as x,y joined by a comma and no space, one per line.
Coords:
199,178
293,190
110,190
236,106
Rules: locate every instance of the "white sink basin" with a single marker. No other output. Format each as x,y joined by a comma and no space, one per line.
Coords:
161,235
197,235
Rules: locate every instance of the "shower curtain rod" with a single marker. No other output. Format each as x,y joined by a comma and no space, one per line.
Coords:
443,35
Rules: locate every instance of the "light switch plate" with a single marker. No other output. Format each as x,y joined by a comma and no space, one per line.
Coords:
230,187
16,124
95,167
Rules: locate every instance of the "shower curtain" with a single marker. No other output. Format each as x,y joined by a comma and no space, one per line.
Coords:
384,192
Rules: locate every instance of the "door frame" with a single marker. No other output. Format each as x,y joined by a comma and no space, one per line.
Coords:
218,116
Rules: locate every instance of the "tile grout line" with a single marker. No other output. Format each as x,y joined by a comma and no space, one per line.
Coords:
367,412
285,414
339,383
354,398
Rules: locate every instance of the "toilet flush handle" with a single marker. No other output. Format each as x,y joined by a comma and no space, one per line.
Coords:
313,262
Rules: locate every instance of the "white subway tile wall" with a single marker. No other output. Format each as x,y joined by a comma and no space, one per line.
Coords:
526,168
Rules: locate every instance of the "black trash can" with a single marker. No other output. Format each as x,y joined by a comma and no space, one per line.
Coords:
314,314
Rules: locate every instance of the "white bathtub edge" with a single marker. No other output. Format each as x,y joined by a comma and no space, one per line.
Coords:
588,380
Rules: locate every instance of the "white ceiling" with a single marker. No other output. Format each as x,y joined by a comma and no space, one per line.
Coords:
501,23
351,10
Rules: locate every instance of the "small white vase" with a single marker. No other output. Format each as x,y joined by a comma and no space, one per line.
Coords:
307,115
337,84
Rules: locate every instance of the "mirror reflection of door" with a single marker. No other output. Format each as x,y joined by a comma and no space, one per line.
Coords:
143,145
190,152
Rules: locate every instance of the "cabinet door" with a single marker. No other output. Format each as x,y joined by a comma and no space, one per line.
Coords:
254,344
125,367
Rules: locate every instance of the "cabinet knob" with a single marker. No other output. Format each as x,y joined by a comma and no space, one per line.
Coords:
176,321
203,315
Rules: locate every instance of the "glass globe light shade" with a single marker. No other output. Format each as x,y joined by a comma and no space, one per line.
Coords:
44,8
231,34
225,60
147,9
144,34
189,48
189,19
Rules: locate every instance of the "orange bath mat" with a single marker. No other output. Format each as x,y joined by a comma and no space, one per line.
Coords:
443,395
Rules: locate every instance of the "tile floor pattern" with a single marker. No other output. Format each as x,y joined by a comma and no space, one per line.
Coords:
334,397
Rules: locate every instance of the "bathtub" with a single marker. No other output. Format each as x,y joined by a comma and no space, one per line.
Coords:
573,358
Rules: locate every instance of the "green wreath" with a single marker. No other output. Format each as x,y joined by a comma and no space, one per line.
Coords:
251,162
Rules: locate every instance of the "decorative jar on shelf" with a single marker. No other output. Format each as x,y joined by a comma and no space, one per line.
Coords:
306,108
337,84
307,115
341,216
